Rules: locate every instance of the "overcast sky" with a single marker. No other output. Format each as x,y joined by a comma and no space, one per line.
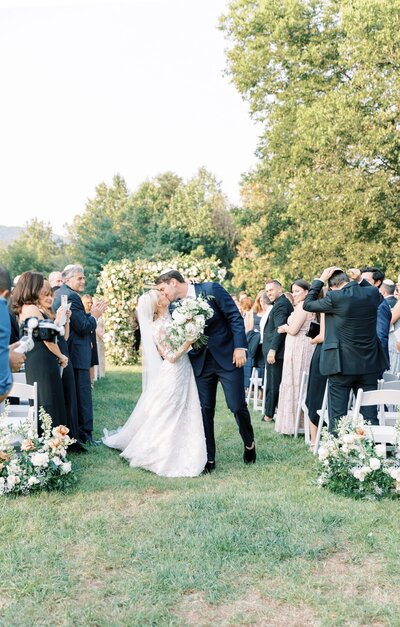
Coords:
91,89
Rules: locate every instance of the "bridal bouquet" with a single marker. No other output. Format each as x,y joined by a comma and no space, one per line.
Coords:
188,321
353,465
35,463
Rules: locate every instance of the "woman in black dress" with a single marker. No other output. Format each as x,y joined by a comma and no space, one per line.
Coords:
316,383
44,362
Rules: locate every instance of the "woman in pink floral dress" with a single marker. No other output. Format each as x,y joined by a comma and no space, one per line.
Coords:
297,358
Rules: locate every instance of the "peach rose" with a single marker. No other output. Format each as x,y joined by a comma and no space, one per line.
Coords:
360,433
4,456
27,445
60,431
55,443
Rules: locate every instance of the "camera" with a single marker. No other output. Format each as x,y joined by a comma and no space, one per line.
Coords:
43,330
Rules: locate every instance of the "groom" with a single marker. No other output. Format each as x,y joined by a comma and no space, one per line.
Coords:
221,359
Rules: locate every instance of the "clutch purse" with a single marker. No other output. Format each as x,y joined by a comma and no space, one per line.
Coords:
313,329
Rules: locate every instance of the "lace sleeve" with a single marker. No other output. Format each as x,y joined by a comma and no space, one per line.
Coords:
160,335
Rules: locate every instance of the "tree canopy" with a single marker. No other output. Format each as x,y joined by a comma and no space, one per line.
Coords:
322,77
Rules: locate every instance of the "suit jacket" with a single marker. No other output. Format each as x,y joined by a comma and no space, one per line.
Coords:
351,345
225,329
81,327
383,322
391,301
272,340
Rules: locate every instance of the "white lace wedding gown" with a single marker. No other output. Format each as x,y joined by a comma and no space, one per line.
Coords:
165,432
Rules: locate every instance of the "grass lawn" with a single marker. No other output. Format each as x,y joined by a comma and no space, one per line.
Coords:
259,545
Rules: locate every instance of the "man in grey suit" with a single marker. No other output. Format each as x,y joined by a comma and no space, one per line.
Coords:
352,356
273,345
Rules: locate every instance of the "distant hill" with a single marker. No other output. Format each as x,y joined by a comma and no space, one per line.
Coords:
9,233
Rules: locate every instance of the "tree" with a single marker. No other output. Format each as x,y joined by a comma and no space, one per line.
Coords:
323,78
37,248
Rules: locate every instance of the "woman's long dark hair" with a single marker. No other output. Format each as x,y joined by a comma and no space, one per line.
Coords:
27,290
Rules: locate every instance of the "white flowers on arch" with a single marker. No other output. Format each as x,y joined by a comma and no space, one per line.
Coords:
121,283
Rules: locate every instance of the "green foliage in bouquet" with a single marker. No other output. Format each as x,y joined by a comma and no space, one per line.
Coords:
29,463
353,465
121,283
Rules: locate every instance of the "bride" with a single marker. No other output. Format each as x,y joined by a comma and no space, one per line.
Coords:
165,432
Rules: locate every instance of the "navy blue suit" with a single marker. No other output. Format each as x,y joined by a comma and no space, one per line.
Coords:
80,354
213,363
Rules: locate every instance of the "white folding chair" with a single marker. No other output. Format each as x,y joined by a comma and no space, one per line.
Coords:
388,376
255,384
323,417
19,377
302,408
16,414
383,399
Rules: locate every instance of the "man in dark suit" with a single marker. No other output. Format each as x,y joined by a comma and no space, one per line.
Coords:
221,359
79,344
273,345
387,290
352,356
375,276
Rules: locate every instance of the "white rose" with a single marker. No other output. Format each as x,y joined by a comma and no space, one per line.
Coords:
33,480
40,459
348,438
374,463
178,317
380,449
11,481
323,453
395,473
57,461
358,474
65,468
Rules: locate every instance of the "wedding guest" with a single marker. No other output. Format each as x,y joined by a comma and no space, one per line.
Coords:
375,276
88,304
43,362
5,332
274,345
352,355
55,279
316,382
394,335
100,343
387,290
252,324
296,358
46,302
79,344
289,296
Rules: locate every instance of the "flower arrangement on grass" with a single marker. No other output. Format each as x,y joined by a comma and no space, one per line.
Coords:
36,463
188,321
121,283
352,464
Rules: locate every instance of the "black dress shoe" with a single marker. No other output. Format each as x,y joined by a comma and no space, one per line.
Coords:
249,455
92,442
208,468
77,447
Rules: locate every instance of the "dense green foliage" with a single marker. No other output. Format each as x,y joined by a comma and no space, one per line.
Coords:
259,545
36,248
161,218
323,78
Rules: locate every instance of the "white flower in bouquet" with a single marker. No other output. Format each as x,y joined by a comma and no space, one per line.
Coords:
395,473
56,461
375,463
188,322
33,480
65,468
40,459
12,480
323,453
380,449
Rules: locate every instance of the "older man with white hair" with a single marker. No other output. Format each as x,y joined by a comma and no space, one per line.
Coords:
79,343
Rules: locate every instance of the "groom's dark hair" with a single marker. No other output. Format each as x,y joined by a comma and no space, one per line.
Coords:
167,276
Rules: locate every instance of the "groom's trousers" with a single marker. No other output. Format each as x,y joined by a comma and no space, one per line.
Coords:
233,386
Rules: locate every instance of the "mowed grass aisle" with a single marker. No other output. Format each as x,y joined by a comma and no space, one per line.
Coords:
257,545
